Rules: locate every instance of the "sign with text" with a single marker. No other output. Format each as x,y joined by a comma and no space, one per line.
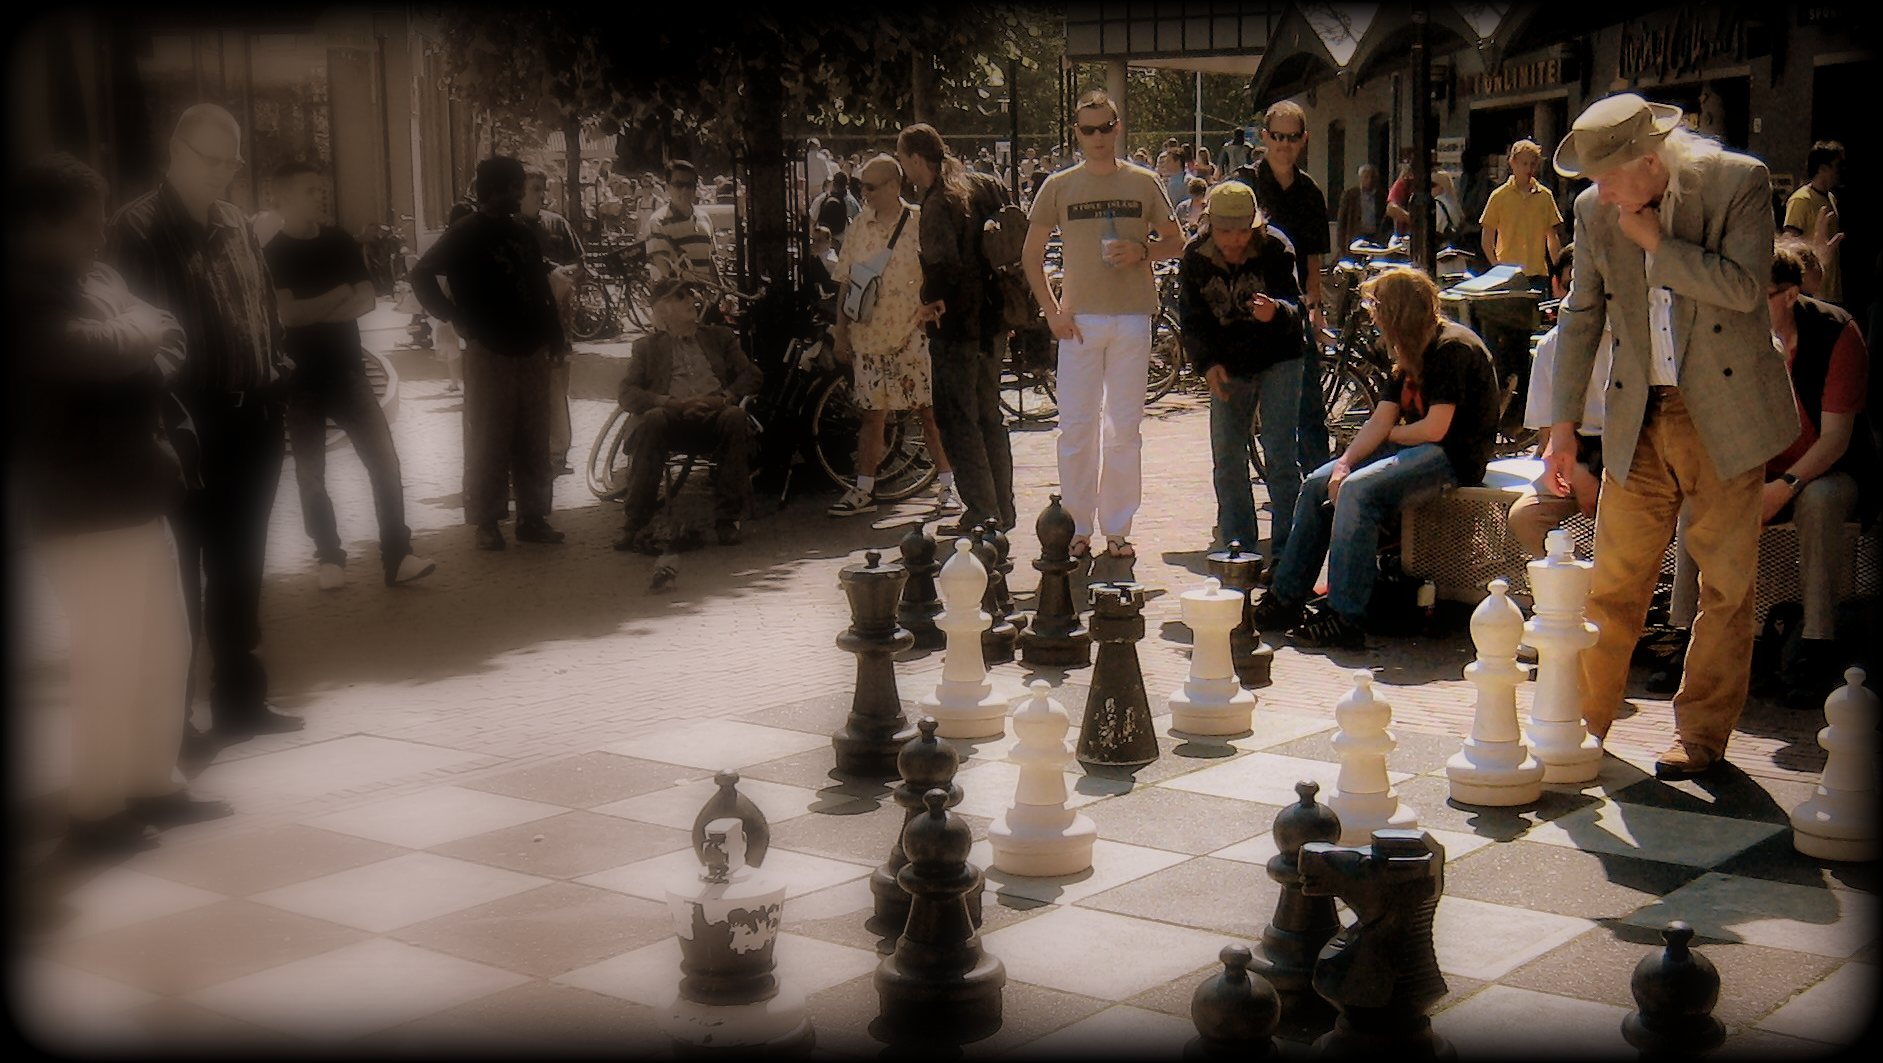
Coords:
1519,77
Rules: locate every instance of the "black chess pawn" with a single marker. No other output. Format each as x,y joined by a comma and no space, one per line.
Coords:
1302,925
1241,570
925,763
873,733
1381,972
940,985
998,639
921,604
1675,990
1003,564
1235,1011
728,802
1117,730
1055,637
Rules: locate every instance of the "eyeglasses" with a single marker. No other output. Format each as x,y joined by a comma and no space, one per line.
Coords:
1286,138
214,162
1095,130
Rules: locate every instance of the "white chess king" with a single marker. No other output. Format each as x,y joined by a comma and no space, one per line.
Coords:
1838,822
963,703
1495,767
1211,702
1039,836
1559,633
1363,794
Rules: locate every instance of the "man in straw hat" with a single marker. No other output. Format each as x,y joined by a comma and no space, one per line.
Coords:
1675,244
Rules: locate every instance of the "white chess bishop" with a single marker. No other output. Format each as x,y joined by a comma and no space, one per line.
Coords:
1839,821
1211,702
1559,633
1039,836
1363,794
964,703
1495,767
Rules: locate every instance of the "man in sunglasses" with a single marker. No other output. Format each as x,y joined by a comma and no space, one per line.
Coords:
679,236
185,248
1106,213
1292,202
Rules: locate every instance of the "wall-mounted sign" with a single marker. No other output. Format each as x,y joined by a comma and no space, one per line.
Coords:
1450,152
1519,77
1684,41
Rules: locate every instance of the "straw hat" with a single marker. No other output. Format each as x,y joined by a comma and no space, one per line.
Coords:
1613,132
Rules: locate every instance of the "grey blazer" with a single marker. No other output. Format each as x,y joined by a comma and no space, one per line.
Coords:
650,368
1717,260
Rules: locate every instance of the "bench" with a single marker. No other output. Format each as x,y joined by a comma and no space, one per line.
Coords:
1458,540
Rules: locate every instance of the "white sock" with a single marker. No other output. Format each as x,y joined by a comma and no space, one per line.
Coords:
946,479
866,484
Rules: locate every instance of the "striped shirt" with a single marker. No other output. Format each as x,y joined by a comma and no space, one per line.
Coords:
679,243
215,282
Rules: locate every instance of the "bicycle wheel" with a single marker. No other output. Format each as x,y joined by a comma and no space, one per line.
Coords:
592,315
1027,376
1348,396
1166,356
836,423
908,467
607,462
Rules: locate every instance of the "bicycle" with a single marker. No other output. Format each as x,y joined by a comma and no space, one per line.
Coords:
612,286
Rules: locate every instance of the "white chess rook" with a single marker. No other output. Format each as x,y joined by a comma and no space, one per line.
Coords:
1211,702
1559,633
1839,821
963,703
1495,766
1039,836
1363,795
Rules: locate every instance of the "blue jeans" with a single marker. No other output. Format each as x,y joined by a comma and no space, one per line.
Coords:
1314,450
1275,389
1347,533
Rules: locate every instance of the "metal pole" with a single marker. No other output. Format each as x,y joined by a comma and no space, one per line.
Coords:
1199,113
1013,116
1420,198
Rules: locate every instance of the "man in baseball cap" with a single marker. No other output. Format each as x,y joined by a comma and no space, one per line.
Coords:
1674,252
1241,311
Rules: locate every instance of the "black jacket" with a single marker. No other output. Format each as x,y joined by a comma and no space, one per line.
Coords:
1218,328
500,295
952,268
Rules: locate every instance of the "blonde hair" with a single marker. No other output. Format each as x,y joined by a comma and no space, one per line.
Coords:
1285,109
1526,147
1406,311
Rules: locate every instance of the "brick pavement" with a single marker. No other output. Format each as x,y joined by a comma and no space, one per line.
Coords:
501,663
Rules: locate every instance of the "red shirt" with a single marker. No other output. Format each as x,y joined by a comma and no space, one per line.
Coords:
1845,387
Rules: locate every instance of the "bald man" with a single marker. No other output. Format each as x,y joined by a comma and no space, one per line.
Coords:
185,248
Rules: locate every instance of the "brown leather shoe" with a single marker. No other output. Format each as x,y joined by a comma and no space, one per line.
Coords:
1683,760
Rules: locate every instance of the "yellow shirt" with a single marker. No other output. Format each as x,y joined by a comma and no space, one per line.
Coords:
1523,221
1801,213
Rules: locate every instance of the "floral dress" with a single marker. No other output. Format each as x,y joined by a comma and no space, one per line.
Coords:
890,352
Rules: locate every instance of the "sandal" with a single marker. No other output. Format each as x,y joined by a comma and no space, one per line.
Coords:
1119,546
1081,547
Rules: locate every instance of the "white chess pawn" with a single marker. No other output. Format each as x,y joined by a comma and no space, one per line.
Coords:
963,703
1363,795
1838,822
1559,633
1039,836
1495,767
1211,702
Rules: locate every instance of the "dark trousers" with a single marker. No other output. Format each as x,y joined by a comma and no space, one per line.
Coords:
724,435
973,432
506,401
222,540
1311,442
341,393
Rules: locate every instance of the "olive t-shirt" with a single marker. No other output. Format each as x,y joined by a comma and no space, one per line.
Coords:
1457,371
1089,208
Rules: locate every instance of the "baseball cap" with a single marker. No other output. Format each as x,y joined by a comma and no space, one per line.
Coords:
1232,206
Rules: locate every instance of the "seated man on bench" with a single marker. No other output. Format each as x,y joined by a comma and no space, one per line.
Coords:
684,384
1535,515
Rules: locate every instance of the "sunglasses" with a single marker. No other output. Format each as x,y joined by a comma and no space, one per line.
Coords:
683,184
1286,138
1095,130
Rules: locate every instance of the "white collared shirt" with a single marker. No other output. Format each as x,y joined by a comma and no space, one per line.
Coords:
1664,365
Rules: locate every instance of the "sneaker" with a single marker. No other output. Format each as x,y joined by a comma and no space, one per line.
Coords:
411,567
332,576
115,836
537,530
1271,613
490,537
563,468
236,727
178,809
854,501
1330,631
728,532
945,500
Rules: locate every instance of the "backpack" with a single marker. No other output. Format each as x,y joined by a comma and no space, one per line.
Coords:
865,284
1003,236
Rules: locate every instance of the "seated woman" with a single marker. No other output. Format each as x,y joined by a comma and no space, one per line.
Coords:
1433,428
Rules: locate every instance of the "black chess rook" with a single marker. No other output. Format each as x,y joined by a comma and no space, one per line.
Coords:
1117,730
873,733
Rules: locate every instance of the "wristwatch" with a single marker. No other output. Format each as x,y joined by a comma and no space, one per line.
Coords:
1791,481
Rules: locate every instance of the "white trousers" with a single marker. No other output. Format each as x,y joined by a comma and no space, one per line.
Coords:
1101,383
130,655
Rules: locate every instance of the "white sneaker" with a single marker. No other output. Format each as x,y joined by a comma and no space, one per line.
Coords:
853,502
945,500
412,567
332,576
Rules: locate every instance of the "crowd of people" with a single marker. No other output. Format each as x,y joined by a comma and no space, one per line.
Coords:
176,345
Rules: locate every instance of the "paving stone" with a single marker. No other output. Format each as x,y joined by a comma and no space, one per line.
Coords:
1823,922
1777,858
1501,1022
568,845
399,892
1432,797
434,816
1565,881
528,1019
1163,818
1125,956
586,779
1113,863
200,947
545,931
1415,754
241,863
1232,898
